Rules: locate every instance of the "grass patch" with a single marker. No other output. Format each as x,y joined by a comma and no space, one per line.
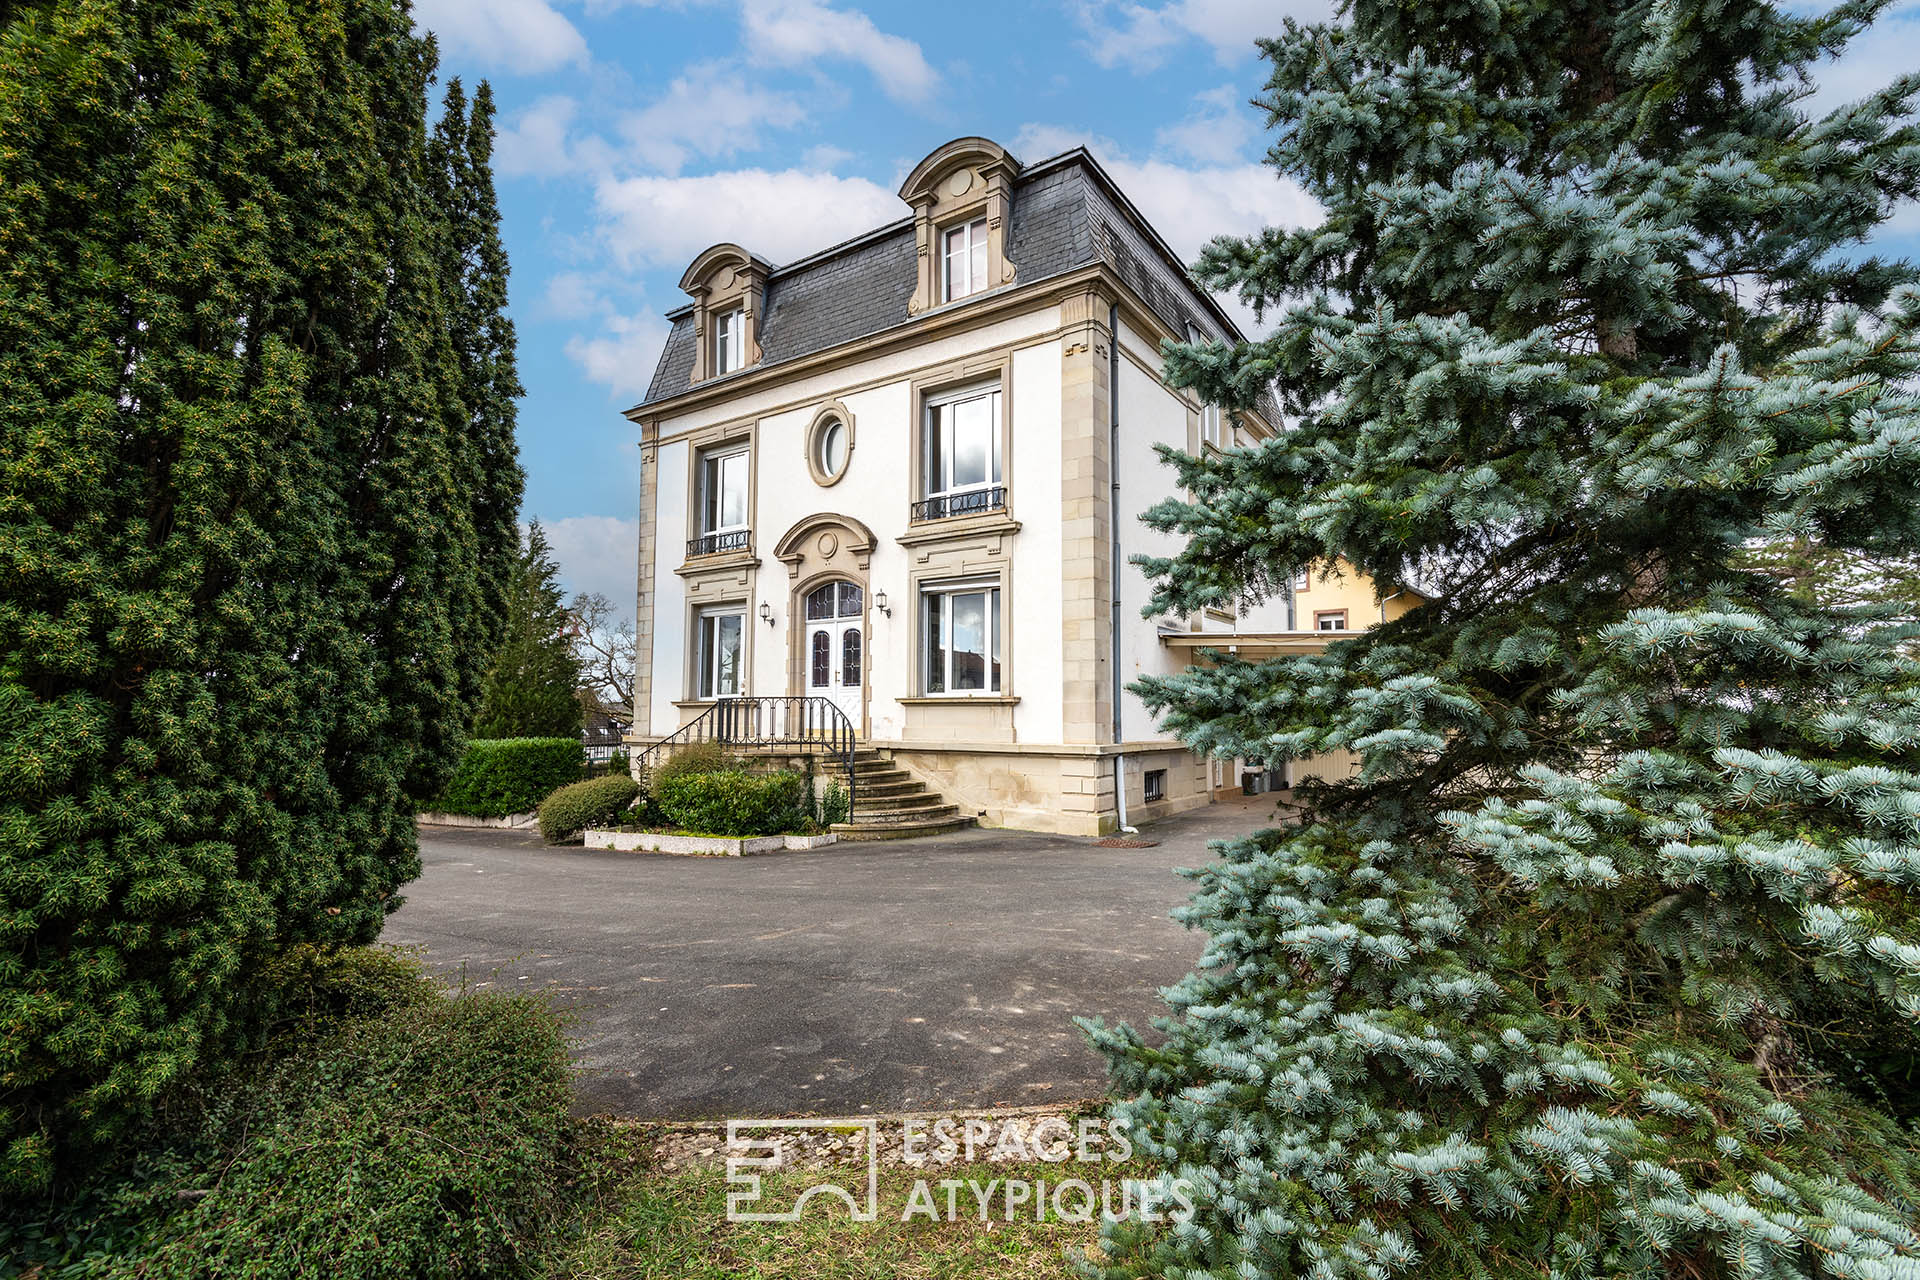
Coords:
648,1224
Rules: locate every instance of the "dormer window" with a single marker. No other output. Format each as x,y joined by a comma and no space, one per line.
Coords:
964,260
729,341
962,201
729,290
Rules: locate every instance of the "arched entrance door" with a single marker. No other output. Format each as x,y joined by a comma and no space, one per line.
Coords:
833,647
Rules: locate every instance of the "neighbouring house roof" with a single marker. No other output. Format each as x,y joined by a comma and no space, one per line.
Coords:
600,729
1067,214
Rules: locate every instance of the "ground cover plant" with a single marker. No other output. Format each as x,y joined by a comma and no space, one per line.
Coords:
382,1129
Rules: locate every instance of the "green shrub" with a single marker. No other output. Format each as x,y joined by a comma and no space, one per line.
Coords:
501,776
697,757
835,804
733,802
620,762
594,803
420,1136
306,987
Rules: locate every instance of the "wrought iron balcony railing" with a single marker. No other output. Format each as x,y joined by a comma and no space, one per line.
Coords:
708,544
970,502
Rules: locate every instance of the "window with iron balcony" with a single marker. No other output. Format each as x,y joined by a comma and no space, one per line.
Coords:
721,502
960,452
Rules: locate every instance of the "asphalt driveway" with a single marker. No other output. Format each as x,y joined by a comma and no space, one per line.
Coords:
912,975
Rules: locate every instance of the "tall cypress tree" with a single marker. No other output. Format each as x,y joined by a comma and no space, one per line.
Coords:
531,689
461,154
239,528
1607,962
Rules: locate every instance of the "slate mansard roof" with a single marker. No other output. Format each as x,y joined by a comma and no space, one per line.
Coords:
1067,214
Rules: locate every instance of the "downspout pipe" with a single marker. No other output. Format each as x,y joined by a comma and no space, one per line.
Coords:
1113,520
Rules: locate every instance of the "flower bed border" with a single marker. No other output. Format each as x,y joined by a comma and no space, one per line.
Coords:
701,846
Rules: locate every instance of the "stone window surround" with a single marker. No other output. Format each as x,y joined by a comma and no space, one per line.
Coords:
831,410
987,563
930,384
722,278
703,442
961,182
725,449
695,611
931,589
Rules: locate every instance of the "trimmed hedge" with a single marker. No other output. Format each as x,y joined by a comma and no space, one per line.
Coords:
502,776
391,1132
595,802
733,802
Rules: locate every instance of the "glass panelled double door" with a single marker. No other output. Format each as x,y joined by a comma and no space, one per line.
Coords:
834,647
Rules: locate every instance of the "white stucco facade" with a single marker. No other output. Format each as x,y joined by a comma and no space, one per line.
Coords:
964,614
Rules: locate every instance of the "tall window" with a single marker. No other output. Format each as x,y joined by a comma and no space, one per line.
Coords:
964,259
721,633
1210,425
961,649
723,490
729,341
963,450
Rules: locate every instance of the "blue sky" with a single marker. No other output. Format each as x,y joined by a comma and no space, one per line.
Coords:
630,130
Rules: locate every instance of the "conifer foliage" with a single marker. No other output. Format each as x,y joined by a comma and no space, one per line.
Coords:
1607,961
531,689
256,492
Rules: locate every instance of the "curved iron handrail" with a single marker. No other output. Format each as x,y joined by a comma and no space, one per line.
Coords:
817,725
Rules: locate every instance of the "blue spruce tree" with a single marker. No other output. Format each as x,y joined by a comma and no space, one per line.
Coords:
1607,962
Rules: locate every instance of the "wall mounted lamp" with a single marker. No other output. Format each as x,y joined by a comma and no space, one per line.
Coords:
766,613
880,603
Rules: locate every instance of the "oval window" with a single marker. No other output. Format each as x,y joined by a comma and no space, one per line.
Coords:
831,446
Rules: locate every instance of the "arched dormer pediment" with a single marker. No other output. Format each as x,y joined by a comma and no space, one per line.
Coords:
962,200
823,534
976,156
728,286
706,270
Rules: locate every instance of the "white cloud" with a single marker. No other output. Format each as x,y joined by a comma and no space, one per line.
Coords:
825,156
520,35
1141,35
1221,129
598,553
572,295
710,109
1875,59
622,353
799,33
1188,204
538,142
661,221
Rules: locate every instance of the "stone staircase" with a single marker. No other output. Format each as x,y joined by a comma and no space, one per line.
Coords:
890,804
